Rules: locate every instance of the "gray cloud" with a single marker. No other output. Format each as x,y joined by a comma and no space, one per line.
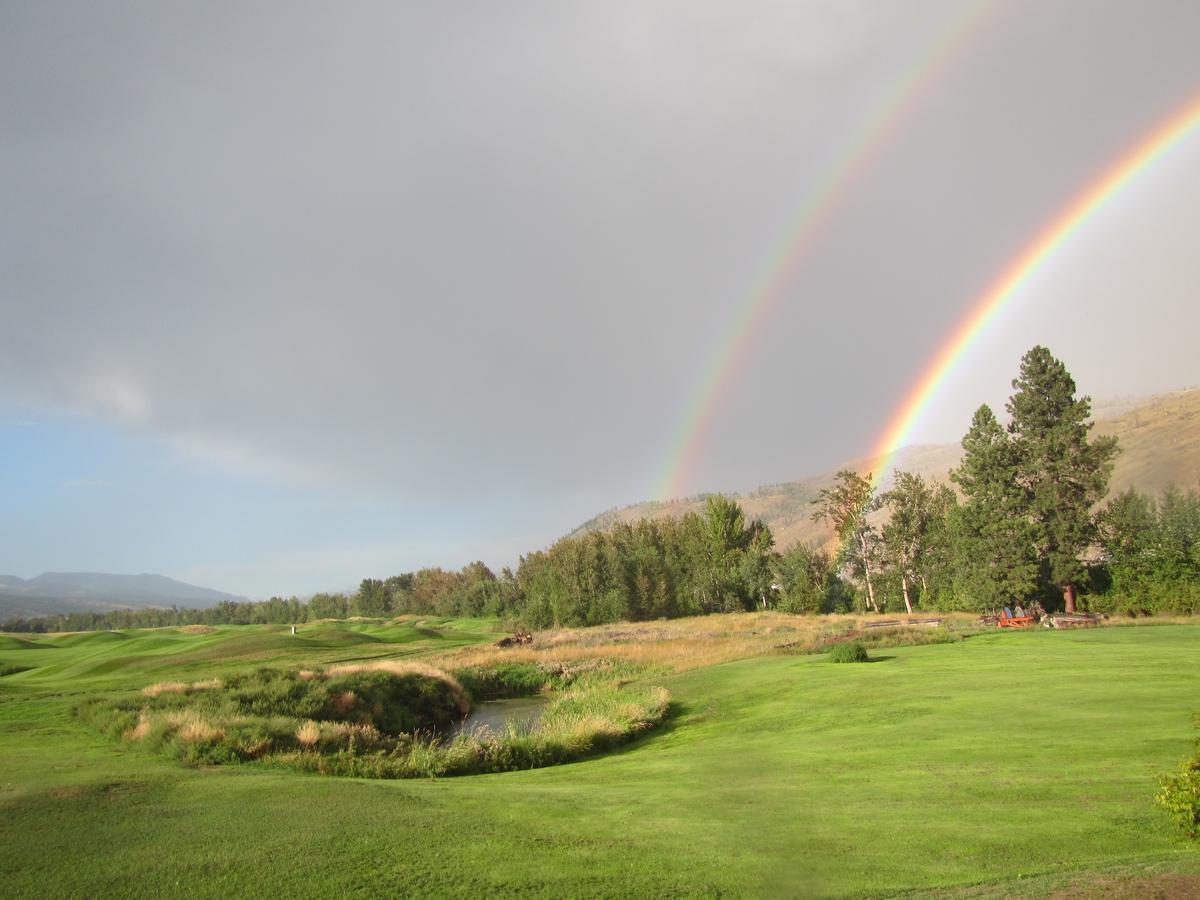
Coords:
490,249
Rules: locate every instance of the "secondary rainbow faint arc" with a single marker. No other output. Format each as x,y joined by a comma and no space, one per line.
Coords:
1054,236
817,209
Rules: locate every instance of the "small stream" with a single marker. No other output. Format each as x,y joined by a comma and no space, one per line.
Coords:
495,714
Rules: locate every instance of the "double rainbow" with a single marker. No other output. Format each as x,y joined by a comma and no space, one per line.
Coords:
864,146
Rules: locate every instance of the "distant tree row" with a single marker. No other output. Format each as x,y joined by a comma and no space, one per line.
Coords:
472,591
1022,522
654,568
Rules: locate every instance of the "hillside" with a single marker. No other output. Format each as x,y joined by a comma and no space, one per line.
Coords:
1160,446
62,592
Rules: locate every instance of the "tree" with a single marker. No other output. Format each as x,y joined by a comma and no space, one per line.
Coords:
802,573
913,507
991,535
733,571
846,506
371,599
755,570
1063,474
935,568
1152,551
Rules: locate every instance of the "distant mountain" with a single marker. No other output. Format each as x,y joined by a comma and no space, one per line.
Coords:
1160,446
62,592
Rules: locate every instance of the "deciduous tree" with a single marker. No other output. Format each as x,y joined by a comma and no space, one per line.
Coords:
846,506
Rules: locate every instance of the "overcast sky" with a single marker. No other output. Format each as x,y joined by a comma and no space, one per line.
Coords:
297,293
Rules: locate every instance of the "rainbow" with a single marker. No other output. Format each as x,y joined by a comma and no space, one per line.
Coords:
863,147
1068,223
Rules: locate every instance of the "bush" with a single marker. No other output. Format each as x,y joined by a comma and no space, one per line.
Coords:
849,652
1180,794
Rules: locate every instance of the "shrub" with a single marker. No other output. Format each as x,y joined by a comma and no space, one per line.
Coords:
1180,794
849,652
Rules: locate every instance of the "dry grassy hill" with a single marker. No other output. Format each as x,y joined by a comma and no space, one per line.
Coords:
1160,446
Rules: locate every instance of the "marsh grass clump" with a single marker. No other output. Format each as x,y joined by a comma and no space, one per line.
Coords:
503,680
506,680
180,687
848,652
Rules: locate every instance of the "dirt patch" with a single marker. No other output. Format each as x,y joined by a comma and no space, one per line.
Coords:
1153,887
66,793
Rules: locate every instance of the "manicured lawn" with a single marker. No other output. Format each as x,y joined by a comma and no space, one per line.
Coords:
1011,761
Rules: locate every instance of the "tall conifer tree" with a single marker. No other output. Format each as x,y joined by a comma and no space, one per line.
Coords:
995,557
1063,474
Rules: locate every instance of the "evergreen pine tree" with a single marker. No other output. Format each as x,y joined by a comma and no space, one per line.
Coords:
1063,474
993,538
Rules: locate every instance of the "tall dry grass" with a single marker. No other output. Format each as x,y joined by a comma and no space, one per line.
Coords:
308,734
677,645
180,687
405,667
192,728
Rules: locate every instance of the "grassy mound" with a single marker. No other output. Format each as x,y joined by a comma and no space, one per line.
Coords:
381,720
849,652
270,711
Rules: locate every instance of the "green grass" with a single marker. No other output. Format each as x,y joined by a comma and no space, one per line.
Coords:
1014,763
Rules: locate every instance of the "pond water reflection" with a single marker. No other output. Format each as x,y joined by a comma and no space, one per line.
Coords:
495,714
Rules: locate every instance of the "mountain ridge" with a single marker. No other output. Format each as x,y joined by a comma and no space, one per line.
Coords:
1159,437
63,592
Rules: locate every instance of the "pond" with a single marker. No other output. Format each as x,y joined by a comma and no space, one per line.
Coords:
495,714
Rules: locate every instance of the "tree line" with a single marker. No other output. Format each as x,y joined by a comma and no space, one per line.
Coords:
1020,521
